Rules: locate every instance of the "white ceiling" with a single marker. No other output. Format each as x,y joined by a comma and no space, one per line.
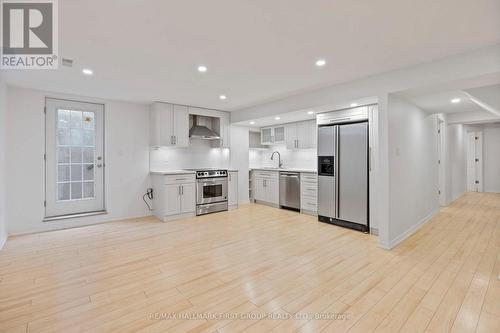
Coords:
255,50
441,102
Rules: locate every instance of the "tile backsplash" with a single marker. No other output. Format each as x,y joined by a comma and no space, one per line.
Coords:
302,158
199,154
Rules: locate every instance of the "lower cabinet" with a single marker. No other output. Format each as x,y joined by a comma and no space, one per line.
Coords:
266,187
309,193
232,189
174,196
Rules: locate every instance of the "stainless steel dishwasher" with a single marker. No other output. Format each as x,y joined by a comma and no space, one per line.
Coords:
290,190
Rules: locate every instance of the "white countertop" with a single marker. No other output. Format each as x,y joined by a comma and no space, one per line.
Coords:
287,169
172,172
180,172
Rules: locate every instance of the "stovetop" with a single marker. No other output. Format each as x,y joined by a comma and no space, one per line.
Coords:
209,172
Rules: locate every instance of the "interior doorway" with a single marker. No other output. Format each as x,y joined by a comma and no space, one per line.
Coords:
475,161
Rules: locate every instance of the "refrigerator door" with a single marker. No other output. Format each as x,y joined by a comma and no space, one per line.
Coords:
326,140
326,196
352,175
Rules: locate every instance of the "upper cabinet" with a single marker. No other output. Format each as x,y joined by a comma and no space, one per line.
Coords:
169,125
273,135
301,135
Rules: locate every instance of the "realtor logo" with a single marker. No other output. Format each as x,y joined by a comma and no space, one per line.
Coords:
29,34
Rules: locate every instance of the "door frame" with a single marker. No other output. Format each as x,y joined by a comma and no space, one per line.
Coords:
441,153
104,156
475,158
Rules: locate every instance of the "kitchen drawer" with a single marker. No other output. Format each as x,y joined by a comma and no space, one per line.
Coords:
309,190
179,179
307,203
265,174
309,178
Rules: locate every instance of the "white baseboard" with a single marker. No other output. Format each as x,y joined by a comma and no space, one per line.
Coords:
85,224
393,243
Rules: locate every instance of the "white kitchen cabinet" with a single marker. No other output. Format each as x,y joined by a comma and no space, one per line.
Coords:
232,189
169,125
308,193
273,135
266,187
174,196
187,198
301,135
223,128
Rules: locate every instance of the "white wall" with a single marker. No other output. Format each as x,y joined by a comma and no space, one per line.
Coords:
3,107
239,159
456,162
413,168
491,158
126,157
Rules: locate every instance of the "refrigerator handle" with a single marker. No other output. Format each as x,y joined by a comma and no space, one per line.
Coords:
336,170
369,158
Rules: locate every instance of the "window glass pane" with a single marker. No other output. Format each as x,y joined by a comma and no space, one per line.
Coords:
76,173
76,137
63,155
88,137
88,155
63,137
88,190
76,119
63,191
76,155
88,172
63,173
62,118
88,120
76,191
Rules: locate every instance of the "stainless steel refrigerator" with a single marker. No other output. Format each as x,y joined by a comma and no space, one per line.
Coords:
343,169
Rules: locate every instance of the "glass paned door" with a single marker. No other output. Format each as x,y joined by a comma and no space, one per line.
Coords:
74,157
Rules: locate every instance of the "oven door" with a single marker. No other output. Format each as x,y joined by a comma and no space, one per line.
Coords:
211,190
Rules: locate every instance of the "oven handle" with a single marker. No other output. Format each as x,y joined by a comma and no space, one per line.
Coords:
205,183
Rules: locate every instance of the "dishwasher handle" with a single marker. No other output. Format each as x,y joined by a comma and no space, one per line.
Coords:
291,175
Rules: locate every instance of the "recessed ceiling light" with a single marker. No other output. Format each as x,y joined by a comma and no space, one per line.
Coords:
277,118
354,105
320,62
310,112
202,69
252,123
87,71
222,97
456,100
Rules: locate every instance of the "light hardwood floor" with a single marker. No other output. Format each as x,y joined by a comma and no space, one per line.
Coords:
134,276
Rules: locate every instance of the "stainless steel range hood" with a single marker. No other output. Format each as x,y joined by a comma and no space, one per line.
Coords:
202,132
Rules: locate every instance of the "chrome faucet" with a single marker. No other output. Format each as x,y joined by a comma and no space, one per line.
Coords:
280,162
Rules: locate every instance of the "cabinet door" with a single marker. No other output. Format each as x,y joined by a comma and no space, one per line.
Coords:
188,198
181,125
232,188
272,191
259,189
291,135
266,136
224,131
172,198
161,123
279,134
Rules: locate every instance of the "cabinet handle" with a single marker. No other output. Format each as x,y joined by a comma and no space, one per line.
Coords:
182,189
179,190
175,139
171,139
229,177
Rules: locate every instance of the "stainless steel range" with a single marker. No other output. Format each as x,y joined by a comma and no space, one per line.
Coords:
211,191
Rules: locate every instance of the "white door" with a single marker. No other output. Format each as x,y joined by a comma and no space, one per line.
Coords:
474,162
440,153
188,198
74,157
